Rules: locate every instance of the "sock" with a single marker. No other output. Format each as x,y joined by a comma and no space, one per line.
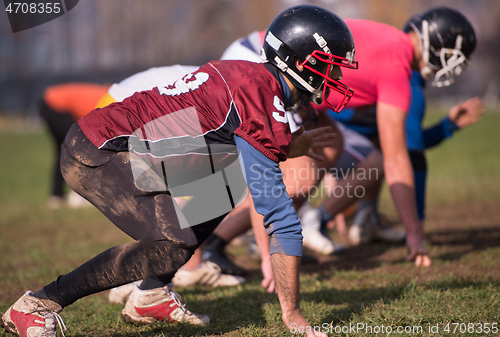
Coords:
325,217
215,243
363,207
51,291
41,294
197,267
155,282
362,204
306,207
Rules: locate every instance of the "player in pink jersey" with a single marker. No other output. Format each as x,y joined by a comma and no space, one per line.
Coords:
130,158
388,56
437,43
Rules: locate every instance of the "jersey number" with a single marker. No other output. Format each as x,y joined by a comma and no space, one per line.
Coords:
279,115
183,85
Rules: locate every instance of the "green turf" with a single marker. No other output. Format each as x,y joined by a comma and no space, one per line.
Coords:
464,167
369,287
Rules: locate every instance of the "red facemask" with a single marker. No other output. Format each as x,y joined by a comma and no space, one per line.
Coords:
329,83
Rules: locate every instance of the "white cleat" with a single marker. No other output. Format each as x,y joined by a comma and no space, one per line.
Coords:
159,304
368,227
208,273
314,239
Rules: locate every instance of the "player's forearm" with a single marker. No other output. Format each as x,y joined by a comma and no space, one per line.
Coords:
399,175
391,122
286,275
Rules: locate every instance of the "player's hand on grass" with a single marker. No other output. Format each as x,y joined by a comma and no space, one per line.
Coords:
467,113
267,272
423,260
303,142
417,252
420,259
298,324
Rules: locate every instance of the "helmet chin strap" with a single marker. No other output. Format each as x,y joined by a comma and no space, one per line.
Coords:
425,42
316,93
426,73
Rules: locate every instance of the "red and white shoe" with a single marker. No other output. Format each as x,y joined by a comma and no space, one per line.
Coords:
148,306
32,317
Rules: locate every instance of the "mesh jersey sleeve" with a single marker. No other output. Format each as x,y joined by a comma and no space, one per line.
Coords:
265,181
439,132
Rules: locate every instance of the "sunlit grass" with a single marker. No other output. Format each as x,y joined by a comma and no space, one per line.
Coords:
37,245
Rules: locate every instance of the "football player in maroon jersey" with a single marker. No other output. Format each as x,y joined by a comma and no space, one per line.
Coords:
130,158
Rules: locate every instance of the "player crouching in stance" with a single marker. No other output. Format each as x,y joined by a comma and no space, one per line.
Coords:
128,159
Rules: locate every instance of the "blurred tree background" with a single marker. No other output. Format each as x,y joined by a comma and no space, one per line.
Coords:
107,40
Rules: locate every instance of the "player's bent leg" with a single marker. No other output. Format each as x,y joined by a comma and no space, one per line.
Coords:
368,225
302,176
236,223
155,300
162,246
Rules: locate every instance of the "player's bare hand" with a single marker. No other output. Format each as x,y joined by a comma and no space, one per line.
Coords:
303,142
467,113
423,260
416,248
297,324
267,272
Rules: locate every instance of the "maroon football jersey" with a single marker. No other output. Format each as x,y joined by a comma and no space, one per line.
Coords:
206,107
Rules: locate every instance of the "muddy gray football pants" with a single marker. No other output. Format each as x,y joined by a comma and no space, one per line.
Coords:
105,179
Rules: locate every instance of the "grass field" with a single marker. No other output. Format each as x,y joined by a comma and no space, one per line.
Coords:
371,287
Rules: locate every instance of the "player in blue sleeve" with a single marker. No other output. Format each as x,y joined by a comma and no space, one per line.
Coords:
418,140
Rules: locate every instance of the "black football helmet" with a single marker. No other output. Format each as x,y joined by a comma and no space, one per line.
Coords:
447,39
320,40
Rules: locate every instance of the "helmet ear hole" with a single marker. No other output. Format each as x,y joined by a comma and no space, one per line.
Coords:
298,64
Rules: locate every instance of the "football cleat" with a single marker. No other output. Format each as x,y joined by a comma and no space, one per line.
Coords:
33,317
314,238
368,227
159,304
208,273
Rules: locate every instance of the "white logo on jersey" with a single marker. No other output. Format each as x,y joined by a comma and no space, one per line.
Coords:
279,115
183,85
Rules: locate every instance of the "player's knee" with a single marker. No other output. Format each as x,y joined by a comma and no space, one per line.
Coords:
165,257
